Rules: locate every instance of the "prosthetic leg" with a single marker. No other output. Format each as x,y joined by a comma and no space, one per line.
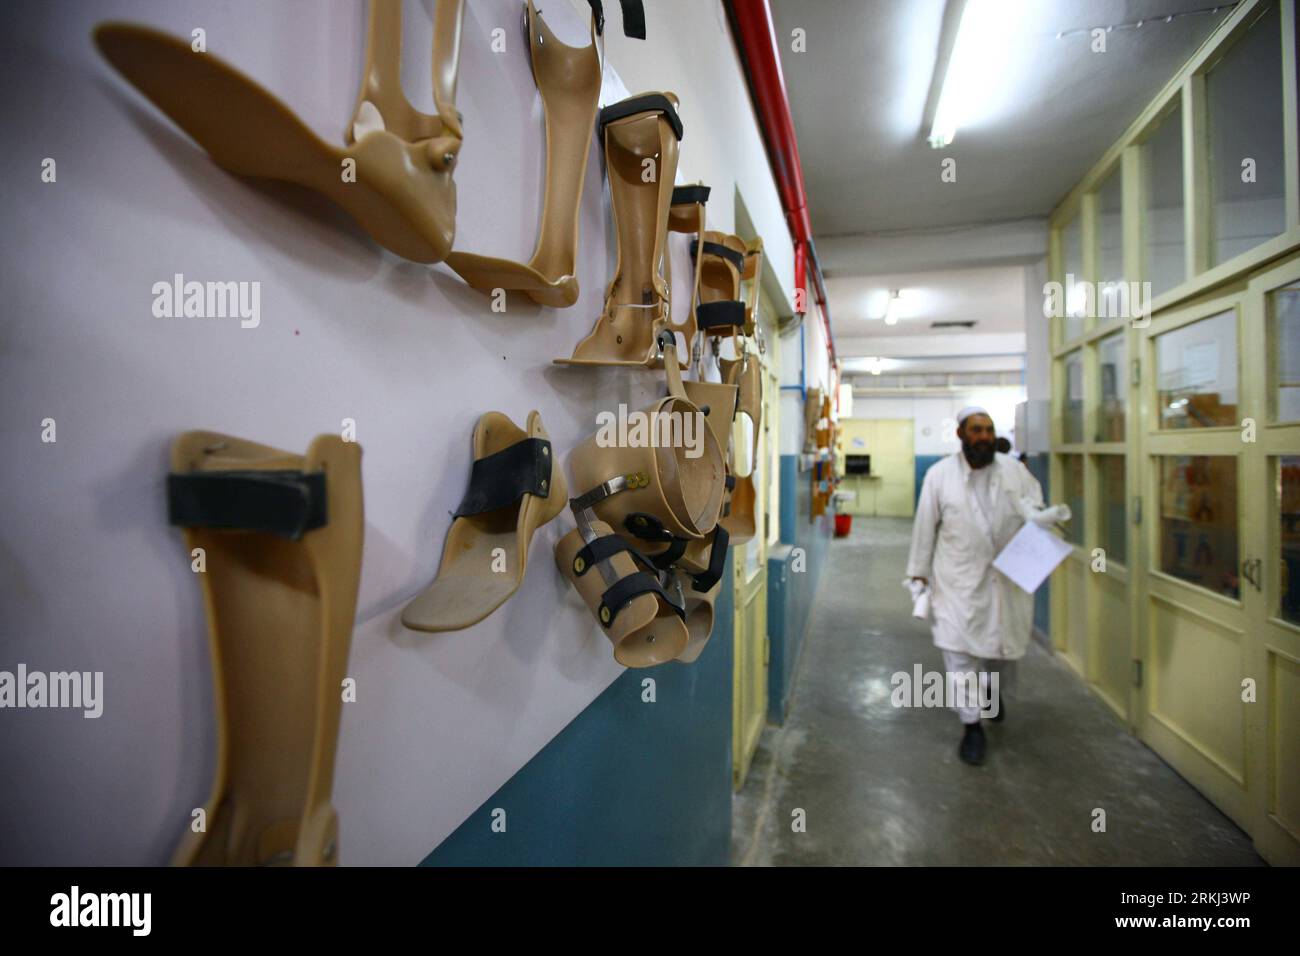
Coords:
641,136
568,79
645,494
400,189
280,537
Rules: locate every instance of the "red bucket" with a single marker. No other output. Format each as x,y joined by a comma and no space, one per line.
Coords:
842,525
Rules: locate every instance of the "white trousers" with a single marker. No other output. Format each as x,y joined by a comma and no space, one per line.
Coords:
968,698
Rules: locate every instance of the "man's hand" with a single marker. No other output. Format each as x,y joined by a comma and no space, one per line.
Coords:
923,581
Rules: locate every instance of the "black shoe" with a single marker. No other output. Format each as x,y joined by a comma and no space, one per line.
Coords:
972,745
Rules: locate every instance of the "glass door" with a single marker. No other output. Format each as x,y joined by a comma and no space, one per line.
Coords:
1220,649
1193,638
1271,563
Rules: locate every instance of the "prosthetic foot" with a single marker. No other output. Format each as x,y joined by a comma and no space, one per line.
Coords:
641,136
515,487
568,79
401,191
281,542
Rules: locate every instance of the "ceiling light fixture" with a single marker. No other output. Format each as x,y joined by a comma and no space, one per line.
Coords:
891,310
976,55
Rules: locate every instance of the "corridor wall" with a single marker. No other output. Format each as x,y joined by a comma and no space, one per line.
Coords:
347,331
642,777
935,419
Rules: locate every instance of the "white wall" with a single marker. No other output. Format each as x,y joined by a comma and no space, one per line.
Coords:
96,580
935,417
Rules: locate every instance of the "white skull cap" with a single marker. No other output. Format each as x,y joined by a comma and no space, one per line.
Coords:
970,410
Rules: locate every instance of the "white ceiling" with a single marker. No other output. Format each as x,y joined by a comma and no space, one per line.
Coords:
859,98
993,298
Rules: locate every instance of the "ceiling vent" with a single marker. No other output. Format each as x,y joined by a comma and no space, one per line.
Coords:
954,325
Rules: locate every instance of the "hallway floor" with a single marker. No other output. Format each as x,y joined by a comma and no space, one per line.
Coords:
884,786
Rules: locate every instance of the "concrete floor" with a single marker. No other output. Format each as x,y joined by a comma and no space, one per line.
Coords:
883,786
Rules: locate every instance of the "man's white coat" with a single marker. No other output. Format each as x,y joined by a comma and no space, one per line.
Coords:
976,608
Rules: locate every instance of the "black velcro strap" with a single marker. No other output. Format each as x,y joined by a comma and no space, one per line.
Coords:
646,527
286,504
717,315
717,558
603,548
503,478
737,259
668,557
633,17
646,103
682,195
617,596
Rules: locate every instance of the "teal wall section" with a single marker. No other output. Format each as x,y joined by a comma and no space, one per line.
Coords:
923,463
791,593
626,783
629,783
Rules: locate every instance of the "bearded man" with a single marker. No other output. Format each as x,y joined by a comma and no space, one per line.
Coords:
972,504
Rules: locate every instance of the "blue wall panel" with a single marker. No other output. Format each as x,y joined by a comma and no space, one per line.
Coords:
923,463
781,626
626,783
791,593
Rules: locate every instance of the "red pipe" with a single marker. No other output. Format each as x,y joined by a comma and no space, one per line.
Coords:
751,23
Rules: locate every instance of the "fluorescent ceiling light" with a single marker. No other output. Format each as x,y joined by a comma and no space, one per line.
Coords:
891,310
977,54
873,364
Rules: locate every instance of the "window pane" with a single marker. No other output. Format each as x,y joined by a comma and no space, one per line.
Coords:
1113,387
1289,518
1073,397
1243,95
1162,174
1114,524
1110,229
1198,520
1196,373
1072,263
1284,347
1073,471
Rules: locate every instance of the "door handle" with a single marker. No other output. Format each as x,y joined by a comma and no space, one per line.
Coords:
1250,568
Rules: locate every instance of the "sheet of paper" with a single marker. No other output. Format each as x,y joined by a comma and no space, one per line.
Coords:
1031,556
